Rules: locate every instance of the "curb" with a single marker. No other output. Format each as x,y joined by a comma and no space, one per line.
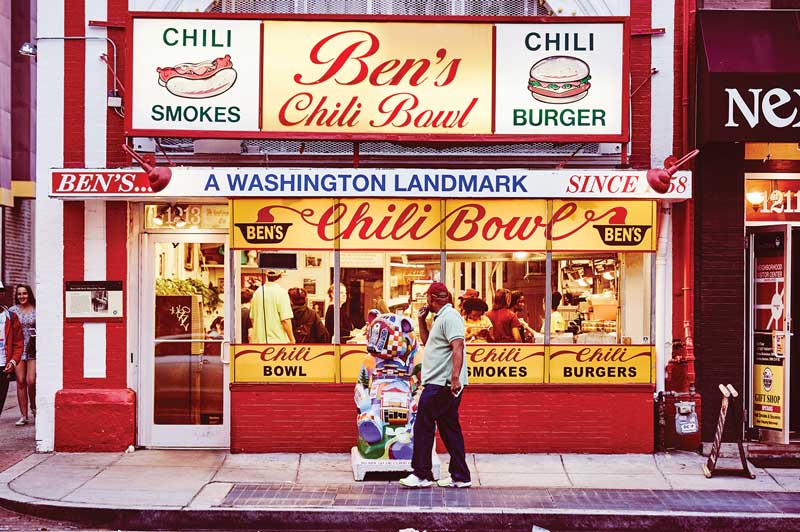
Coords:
380,519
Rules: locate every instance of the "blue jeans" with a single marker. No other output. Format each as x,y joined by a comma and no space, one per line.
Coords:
437,406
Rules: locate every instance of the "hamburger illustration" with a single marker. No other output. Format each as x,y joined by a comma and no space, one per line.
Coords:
559,79
198,80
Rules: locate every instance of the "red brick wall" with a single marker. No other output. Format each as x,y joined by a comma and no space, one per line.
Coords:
719,275
495,419
640,72
95,420
115,134
17,242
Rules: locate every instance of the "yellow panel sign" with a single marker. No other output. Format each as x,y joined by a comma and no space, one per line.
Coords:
381,224
283,223
463,225
486,363
379,78
601,364
505,364
283,363
350,360
768,407
502,225
596,225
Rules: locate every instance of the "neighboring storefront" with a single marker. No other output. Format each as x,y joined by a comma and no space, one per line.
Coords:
186,246
748,226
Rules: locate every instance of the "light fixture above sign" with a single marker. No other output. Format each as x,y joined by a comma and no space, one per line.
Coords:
755,198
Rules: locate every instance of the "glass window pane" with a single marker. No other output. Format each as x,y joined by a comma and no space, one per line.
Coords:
498,293
604,298
305,289
189,331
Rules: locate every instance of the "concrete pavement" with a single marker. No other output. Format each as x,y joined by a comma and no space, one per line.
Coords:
16,443
158,488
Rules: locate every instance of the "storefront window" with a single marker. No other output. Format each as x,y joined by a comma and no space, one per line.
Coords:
307,286
542,291
499,295
602,298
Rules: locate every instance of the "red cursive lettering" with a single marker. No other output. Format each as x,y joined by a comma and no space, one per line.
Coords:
345,55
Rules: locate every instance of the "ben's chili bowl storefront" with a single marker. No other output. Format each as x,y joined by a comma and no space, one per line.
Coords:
576,250
587,388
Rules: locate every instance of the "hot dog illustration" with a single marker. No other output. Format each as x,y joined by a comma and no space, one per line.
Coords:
198,80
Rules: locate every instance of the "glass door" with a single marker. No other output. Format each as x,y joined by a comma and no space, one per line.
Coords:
185,373
770,331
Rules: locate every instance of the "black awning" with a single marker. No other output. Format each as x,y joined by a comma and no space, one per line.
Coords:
749,76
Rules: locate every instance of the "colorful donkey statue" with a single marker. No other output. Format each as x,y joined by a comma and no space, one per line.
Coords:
386,395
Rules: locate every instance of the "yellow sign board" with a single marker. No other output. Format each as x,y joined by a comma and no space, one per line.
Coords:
379,78
502,225
768,399
486,363
283,223
461,225
283,363
350,360
385,224
594,225
505,363
353,224
601,364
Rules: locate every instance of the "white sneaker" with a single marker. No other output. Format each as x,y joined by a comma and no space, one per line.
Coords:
21,422
450,483
413,481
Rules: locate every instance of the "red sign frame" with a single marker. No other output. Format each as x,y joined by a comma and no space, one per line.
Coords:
623,136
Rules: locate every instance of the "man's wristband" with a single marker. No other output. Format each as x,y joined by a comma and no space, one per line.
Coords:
13,362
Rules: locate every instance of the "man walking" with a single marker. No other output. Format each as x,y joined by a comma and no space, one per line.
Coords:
444,375
271,313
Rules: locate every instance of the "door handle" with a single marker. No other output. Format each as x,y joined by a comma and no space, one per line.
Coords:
225,352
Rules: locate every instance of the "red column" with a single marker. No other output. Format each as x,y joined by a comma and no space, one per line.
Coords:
91,414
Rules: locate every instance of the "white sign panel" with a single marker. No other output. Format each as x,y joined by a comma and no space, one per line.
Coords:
189,182
560,79
195,74
99,300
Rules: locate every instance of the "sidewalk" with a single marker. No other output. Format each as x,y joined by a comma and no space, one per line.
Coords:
204,489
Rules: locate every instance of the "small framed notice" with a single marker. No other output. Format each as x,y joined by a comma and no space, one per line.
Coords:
93,300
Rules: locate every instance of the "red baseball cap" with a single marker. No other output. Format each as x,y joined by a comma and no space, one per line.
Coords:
438,289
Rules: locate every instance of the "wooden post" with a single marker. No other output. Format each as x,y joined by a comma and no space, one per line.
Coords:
729,396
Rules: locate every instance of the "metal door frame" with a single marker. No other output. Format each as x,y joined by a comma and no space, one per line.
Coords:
177,436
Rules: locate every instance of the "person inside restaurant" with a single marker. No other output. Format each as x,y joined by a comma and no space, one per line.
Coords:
478,325
557,323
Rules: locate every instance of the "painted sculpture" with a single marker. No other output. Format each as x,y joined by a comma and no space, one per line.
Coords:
386,391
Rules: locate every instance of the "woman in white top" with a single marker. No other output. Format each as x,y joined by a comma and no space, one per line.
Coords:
25,309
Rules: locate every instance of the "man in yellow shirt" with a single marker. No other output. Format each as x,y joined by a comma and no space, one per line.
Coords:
271,313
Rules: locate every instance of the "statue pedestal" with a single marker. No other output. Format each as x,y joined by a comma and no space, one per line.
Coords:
362,466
